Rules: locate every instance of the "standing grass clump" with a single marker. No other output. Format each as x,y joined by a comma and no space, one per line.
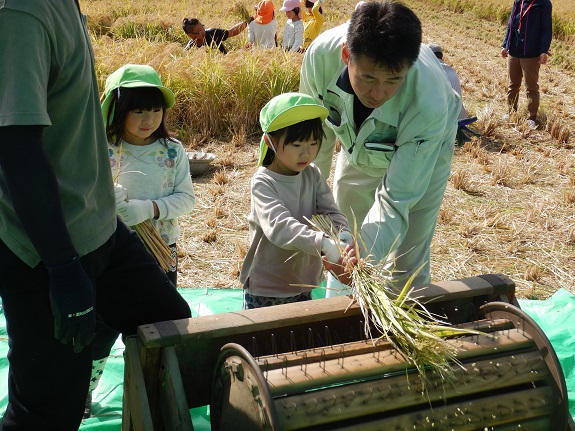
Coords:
418,335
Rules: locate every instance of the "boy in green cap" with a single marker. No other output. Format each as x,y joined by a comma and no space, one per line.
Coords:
284,258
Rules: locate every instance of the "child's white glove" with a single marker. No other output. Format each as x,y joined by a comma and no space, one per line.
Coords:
329,249
135,211
345,237
121,194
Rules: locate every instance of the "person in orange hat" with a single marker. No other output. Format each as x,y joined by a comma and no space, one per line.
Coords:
262,31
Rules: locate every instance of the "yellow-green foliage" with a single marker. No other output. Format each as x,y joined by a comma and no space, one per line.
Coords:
220,95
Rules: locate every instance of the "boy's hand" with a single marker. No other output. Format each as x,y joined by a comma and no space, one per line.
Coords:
135,211
330,250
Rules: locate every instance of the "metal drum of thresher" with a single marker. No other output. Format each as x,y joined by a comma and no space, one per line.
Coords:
507,378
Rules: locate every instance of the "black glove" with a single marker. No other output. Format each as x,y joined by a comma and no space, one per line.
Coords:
72,301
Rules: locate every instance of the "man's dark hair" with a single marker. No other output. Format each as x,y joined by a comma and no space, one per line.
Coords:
388,33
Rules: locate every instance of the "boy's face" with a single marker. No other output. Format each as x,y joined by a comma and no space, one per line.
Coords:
372,84
292,158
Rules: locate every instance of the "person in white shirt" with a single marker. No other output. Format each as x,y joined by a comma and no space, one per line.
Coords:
293,30
262,31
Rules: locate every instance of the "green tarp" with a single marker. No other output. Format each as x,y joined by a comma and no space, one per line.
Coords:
553,315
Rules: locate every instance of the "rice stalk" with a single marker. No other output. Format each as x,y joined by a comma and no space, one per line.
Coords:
418,335
149,235
155,244
241,11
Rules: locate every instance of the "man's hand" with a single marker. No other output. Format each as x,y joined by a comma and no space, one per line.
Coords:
72,302
341,268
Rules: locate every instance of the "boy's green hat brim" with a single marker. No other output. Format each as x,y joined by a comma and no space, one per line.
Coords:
132,76
286,110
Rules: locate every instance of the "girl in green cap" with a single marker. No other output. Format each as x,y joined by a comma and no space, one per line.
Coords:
284,259
150,169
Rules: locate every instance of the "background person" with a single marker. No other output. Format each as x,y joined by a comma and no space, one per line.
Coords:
526,47
396,117
283,261
312,20
464,133
293,30
262,31
65,258
212,37
450,73
151,170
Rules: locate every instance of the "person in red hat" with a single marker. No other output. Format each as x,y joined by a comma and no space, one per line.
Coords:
262,31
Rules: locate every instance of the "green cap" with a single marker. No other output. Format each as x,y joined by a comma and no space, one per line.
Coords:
132,76
285,110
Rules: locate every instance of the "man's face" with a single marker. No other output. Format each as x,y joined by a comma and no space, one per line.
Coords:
372,84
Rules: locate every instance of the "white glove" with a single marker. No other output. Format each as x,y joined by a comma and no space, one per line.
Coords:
329,249
135,211
345,237
121,194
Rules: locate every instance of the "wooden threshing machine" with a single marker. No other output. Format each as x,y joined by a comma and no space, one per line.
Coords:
308,366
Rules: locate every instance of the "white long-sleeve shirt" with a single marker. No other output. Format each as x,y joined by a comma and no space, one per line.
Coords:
293,35
263,35
160,173
284,249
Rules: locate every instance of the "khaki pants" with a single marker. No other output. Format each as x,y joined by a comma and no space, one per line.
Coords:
519,68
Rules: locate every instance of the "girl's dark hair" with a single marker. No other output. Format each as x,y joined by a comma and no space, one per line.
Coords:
296,132
310,5
188,24
132,99
296,10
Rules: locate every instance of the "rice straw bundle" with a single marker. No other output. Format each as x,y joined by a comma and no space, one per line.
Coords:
148,233
418,335
240,10
154,242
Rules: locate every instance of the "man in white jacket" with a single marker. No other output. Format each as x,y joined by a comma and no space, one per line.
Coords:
395,115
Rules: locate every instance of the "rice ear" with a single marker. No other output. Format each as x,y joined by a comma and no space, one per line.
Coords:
418,335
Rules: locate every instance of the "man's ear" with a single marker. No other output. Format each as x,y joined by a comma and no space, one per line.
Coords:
345,54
